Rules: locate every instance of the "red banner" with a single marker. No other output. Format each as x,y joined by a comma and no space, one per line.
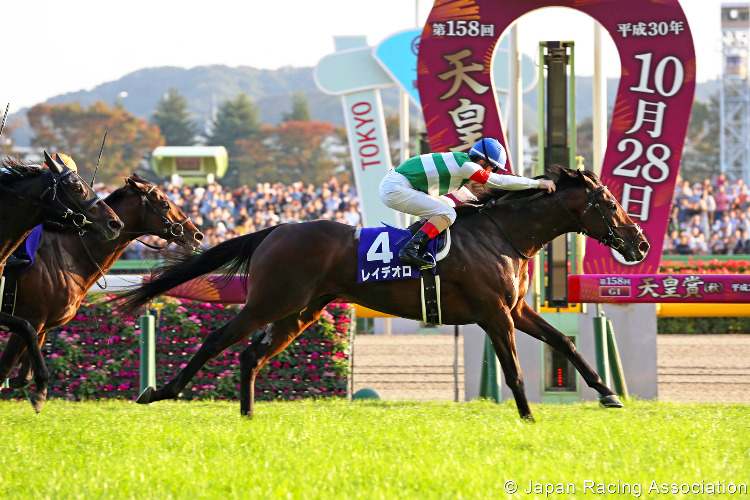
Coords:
659,288
651,111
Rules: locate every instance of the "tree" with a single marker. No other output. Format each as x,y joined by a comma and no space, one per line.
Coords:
69,128
293,151
300,111
173,119
237,119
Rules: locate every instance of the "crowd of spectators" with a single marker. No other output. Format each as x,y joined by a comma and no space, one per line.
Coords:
709,218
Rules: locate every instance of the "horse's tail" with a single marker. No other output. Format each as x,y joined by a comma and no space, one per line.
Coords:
232,256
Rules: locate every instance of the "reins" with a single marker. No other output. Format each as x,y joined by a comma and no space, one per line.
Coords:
170,227
611,240
506,200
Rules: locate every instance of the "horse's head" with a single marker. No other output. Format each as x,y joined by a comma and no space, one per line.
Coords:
161,217
600,216
64,198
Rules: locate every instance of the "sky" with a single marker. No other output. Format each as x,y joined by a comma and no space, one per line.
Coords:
50,47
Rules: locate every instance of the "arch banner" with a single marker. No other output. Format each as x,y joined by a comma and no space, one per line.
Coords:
651,111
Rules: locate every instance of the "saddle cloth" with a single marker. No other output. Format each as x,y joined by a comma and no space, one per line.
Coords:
25,252
377,255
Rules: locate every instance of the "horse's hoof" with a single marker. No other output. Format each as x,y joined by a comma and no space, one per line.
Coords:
611,401
37,401
145,397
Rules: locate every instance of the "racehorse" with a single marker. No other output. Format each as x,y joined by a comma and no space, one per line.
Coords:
292,271
67,265
29,196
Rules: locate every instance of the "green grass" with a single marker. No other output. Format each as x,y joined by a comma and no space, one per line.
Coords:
369,449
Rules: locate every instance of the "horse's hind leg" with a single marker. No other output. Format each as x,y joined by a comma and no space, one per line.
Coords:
25,331
238,329
528,321
277,336
501,333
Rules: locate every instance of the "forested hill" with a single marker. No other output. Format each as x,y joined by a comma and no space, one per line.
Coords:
205,87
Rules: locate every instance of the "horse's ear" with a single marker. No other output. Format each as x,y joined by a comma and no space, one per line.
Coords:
52,164
136,183
61,162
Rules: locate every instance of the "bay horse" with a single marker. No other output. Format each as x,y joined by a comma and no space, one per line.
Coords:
293,271
29,196
67,265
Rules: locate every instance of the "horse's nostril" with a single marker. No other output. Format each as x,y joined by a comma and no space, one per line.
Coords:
198,236
643,246
116,224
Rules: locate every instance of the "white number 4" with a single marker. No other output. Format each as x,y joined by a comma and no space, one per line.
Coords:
380,249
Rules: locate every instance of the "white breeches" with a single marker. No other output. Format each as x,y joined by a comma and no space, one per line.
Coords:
397,193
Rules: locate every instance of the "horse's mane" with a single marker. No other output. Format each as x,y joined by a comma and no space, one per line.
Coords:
14,168
561,176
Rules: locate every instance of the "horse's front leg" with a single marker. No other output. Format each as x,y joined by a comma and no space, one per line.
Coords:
23,329
528,321
501,332
11,355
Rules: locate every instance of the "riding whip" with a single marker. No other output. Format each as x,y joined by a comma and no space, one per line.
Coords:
99,159
2,125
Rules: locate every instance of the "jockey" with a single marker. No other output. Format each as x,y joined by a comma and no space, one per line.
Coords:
20,257
431,185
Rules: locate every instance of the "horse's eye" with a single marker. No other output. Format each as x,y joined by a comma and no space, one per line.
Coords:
613,206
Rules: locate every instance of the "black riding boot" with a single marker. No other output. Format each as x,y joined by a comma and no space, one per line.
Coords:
15,261
413,251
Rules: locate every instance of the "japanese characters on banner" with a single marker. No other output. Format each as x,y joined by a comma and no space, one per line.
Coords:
651,111
660,288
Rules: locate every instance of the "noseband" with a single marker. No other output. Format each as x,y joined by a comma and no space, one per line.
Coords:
611,240
175,229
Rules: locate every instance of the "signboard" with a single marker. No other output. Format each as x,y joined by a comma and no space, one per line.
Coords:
651,111
353,74
660,288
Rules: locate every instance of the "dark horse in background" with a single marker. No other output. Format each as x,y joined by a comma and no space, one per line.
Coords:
29,196
293,271
67,264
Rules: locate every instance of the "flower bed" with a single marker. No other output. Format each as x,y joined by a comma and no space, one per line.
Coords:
704,266
94,358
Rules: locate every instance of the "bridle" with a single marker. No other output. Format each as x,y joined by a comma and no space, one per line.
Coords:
65,216
175,229
611,240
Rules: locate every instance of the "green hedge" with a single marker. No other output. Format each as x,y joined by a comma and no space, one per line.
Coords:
95,357
703,325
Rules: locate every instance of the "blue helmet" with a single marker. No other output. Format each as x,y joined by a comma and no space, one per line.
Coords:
492,151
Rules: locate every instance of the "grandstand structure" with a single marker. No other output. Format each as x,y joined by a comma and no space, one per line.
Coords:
735,92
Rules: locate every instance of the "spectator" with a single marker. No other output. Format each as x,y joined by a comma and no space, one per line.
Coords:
722,202
683,247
